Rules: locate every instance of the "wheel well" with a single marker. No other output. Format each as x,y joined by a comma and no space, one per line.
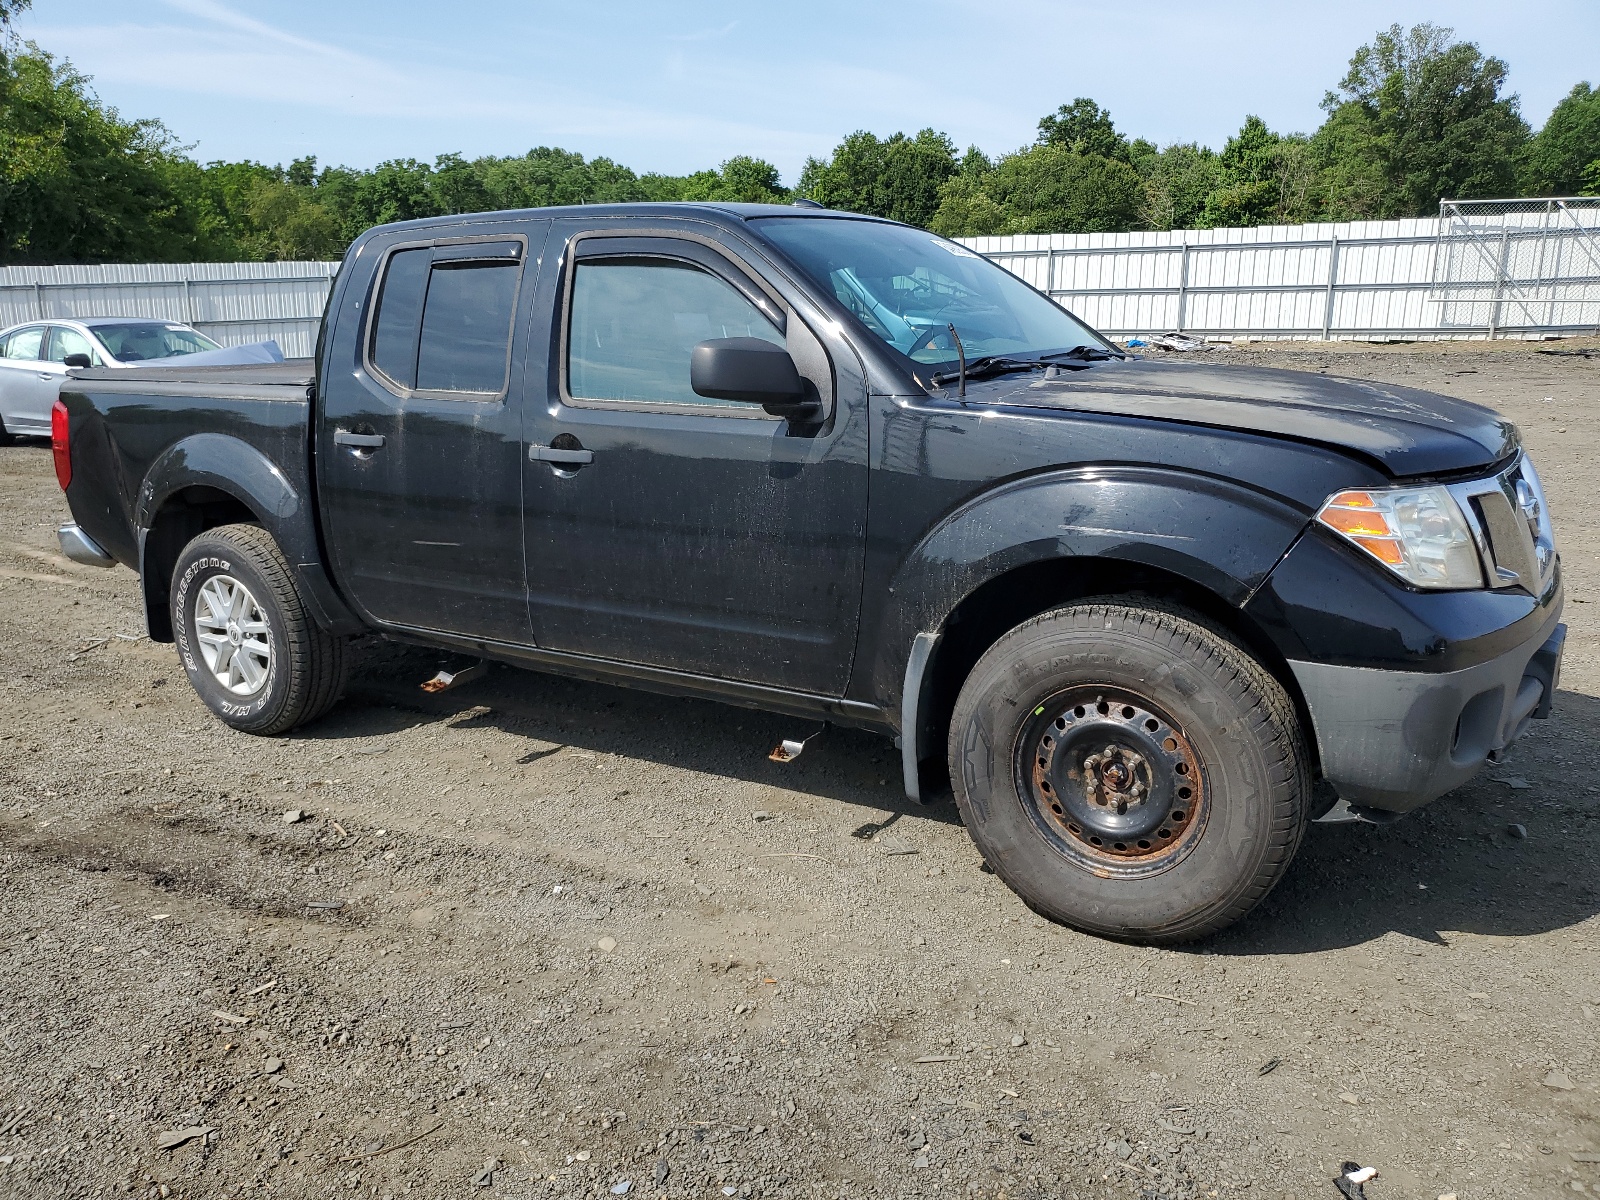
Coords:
184,516
1004,602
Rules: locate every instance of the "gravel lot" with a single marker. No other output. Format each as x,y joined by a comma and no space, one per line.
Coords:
537,938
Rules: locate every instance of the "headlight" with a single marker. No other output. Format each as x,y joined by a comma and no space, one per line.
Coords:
1418,533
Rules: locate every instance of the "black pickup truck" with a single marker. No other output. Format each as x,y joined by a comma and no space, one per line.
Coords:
1148,619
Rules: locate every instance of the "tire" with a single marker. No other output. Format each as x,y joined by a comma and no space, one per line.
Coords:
1130,770
251,650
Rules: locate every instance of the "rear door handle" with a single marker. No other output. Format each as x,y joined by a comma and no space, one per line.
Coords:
361,441
565,458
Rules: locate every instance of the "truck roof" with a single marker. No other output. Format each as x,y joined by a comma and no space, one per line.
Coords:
648,208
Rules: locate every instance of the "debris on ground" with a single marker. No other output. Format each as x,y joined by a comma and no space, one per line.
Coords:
1519,832
1352,1180
294,816
174,1138
1181,343
485,1177
1558,1081
1515,782
1268,1067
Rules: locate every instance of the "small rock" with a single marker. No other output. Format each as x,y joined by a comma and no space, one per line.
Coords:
606,945
1519,832
921,1160
889,844
762,814
1122,1150
1515,782
1447,1196
172,1139
663,1169
919,940
582,1156
294,816
485,1177
1558,1081
273,1066
1349,1098
918,1141
1018,1041
622,1187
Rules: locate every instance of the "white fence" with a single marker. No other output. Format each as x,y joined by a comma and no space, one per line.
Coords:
233,303
1534,272
1491,268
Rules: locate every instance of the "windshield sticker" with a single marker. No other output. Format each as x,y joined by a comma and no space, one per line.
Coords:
958,251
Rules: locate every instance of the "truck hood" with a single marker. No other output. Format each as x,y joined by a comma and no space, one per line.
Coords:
1405,430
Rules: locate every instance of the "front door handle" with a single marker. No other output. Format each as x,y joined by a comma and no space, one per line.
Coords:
47,375
561,457
360,441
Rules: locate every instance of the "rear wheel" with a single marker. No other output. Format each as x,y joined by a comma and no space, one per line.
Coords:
1130,770
250,648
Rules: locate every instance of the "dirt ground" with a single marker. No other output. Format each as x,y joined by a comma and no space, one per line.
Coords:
538,938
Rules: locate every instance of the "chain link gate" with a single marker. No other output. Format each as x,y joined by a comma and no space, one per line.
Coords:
1518,266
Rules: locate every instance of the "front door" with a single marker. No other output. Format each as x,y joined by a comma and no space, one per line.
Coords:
674,531
419,444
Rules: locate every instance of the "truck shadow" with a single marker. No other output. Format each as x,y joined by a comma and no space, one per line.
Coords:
847,765
1456,866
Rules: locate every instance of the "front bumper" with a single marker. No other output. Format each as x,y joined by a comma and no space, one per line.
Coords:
1394,740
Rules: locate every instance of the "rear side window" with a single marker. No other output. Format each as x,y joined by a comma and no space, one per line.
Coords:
635,322
25,343
444,320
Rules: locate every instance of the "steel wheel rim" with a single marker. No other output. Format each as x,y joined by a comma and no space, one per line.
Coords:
234,637
1111,781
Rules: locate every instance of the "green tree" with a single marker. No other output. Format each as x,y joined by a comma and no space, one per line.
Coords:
1052,189
1562,151
1084,128
78,183
898,177
1434,122
1177,182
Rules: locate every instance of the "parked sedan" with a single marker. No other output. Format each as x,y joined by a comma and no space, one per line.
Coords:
35,358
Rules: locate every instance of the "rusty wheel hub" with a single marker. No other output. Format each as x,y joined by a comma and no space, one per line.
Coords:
1111,779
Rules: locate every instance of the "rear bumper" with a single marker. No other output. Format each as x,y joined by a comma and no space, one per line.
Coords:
1394,740
81,548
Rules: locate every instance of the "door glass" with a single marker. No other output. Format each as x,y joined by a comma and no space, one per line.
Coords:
65,341
394,334
634,324
25,343
466,327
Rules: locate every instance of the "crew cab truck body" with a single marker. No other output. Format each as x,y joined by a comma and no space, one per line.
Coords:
1147,619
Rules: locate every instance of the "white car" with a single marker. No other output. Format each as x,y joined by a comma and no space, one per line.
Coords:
35,358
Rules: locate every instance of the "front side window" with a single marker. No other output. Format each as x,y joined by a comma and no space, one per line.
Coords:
145,340
64,341
25,344
444,323
908,287
634,323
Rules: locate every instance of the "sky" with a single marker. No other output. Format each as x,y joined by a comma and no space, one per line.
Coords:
677,87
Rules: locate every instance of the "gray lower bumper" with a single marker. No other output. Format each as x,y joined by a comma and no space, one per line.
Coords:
1394,740
81,548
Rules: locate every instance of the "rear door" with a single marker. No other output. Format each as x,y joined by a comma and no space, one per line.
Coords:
419,433
28,381
702,536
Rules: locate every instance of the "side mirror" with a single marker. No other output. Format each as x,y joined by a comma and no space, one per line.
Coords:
78,360
753,371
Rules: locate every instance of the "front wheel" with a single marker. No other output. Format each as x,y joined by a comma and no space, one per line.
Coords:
250,648
1130,770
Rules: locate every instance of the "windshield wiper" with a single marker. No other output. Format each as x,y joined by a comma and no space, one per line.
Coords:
987,367
1084,354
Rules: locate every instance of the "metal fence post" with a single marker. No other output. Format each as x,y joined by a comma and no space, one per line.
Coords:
1499,281
1333,280
38,298
1183,287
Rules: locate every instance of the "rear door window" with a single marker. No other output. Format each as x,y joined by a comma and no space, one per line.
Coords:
443,322
25,344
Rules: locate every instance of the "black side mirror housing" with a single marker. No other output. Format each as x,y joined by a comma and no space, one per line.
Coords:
754,372
77,360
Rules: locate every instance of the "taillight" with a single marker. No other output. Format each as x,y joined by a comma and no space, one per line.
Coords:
59,446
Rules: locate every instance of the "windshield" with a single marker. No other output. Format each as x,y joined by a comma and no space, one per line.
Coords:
908,286
152,339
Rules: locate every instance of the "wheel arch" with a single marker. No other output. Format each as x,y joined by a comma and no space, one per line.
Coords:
1177,538
208,480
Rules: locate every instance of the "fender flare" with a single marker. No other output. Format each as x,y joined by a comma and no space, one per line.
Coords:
1216,534
237,469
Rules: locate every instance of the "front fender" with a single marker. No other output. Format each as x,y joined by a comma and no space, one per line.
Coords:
1218,535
